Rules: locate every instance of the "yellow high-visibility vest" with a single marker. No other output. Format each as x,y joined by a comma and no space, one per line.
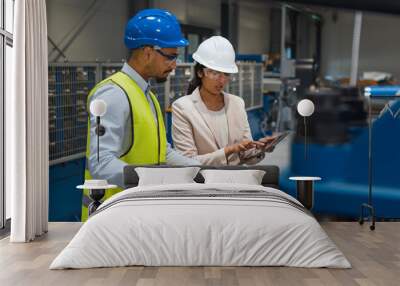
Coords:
149,140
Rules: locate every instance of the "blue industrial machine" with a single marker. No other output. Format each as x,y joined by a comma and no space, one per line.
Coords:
343,165
383,91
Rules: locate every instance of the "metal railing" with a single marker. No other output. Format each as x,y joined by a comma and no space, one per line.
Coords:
69,85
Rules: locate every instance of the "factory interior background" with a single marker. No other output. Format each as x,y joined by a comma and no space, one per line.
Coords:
285,52
326,72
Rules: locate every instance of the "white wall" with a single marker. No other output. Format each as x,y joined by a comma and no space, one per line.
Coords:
379,47
254,28
101,37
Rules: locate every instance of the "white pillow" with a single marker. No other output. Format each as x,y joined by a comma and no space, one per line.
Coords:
248,177
166,176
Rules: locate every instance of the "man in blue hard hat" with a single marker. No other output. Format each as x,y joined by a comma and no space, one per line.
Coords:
134,126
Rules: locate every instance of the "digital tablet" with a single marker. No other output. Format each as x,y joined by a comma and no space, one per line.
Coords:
278,139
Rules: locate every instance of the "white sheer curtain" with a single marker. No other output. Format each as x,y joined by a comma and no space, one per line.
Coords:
27,124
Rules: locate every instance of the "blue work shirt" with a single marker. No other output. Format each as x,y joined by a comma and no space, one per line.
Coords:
118,136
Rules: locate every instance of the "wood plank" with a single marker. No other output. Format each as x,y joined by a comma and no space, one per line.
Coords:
375,257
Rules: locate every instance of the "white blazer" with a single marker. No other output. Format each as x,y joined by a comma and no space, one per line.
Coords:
194,136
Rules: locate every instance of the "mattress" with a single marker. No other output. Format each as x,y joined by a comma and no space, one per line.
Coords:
201,225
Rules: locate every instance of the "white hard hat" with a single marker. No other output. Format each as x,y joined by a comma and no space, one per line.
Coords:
216,53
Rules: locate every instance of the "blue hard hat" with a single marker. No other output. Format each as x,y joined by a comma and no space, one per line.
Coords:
154,27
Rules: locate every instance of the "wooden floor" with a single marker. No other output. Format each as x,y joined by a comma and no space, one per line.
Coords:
375,257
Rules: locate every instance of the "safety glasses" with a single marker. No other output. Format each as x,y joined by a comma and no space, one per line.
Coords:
170,58
212,74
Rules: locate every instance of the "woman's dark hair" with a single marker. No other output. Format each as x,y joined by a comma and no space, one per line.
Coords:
196,80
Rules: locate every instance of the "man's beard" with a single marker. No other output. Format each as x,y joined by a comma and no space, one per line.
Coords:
164,79
161,79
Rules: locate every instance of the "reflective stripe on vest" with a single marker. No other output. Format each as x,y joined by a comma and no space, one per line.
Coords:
149,140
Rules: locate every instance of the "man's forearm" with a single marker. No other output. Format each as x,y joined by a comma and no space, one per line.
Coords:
176,158
109,168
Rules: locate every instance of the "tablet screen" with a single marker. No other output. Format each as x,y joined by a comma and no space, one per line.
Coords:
279,138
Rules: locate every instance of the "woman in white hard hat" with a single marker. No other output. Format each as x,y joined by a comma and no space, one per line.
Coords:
209,124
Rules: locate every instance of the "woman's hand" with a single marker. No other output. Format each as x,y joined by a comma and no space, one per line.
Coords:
267,141
242,146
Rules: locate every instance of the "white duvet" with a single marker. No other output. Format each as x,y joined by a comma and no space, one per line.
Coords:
183,231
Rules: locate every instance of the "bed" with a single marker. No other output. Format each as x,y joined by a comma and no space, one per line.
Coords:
198,224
